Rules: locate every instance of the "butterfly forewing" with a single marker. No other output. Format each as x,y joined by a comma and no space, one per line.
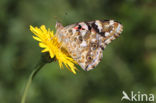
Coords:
85,41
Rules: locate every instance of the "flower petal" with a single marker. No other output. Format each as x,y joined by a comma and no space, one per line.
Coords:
42,45
36,38
51,54
45,50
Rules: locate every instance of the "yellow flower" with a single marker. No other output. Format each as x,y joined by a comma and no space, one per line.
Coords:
50,43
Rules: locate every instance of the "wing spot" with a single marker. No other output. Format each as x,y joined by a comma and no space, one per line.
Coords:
86,68
80,38
102,47
74,55
94,46
75,38
70,31
89,58
95,27
79,27
93,66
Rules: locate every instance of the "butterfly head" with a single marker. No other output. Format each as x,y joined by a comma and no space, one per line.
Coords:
58,26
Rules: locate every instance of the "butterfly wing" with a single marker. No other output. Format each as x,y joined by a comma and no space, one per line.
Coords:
85,41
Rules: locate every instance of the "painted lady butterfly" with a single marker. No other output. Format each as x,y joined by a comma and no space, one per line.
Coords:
85,41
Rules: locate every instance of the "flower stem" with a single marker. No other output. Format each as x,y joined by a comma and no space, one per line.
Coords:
45,58
31,77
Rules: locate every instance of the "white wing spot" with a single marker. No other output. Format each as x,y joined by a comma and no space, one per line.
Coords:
108,41
107,33
93,40
111,22
83,44
118,28
99,25
83,33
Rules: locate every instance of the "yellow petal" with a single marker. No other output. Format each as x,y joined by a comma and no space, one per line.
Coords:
60,64
42,45
36,31
71,66
36,38
45,50
51,54
43,28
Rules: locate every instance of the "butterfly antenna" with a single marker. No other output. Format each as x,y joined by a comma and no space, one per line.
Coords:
57,19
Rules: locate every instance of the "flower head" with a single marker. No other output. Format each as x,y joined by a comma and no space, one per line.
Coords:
50,43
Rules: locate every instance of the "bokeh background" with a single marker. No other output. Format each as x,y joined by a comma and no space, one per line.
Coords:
129,62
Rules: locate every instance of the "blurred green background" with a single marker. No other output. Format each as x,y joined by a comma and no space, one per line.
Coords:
129,62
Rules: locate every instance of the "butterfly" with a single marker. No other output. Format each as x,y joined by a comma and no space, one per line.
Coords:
85,41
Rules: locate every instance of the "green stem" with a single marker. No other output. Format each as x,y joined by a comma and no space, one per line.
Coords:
45,58
31,77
